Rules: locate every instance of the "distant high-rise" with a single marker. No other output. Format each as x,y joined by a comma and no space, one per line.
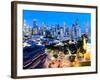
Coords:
35,27
61,32
64,28
34,23
27,31
44,27
88,33
73,32
68,31
86,29
76,31
52,30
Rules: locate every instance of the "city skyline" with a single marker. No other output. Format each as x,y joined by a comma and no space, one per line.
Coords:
52,18
55,37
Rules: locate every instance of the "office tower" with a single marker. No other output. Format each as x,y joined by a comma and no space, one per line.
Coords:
27,31
35,27
78,30
44,28
58,31
73,32
86,29
65,28
88,33
61,32
52,30
67,31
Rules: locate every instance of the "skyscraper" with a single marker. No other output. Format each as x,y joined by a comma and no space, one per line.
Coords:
44,28
61,32
27,31
86,29
35,27
78,30
64,28
73,32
